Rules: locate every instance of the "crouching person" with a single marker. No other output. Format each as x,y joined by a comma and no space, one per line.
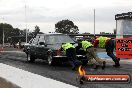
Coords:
91,55
70,52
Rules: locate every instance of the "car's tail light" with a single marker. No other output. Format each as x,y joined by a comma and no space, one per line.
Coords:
58,52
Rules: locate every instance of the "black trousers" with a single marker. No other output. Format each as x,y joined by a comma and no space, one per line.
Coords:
71,55
110,49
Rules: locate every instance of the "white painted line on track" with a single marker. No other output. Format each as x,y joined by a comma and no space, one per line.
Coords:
27,79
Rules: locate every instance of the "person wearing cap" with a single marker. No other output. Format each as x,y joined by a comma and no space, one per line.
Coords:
70,52
109,45
91,54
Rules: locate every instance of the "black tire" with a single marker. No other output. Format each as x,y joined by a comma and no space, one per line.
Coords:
30,58
51,61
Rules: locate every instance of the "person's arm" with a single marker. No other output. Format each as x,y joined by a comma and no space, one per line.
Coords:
95,44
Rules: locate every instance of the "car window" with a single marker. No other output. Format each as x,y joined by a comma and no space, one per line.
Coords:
53,39
35,41
41,39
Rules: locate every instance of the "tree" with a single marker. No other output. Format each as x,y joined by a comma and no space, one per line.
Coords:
15,32
36,31
22,32
7,31
66,27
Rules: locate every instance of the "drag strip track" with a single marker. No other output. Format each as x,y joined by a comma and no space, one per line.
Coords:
62,73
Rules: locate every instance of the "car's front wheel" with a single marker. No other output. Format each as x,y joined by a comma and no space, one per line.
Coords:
30,58
50,60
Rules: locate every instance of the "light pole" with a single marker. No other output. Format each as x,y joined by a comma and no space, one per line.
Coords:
26,21
3,34
94,22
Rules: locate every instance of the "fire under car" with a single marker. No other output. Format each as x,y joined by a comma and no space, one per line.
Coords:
47,47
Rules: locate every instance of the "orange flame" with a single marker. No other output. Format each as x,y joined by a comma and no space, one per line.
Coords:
81,71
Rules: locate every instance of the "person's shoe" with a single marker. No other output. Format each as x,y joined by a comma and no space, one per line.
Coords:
104,64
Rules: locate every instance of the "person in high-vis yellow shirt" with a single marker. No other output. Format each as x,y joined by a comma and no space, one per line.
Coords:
109,45
70,52
91,54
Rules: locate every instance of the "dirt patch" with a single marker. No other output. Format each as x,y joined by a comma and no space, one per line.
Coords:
6,84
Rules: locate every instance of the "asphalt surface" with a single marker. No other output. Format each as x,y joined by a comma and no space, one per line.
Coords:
63,73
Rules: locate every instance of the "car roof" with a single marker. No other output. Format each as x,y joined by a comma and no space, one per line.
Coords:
51,34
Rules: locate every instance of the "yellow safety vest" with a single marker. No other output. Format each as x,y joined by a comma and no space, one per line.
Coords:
102,41
67,46
85,45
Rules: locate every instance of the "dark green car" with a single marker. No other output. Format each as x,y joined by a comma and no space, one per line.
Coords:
47,47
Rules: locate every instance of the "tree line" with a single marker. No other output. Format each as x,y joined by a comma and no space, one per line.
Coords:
9,32
63,26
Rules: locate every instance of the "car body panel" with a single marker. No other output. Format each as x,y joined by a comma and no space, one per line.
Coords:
50,43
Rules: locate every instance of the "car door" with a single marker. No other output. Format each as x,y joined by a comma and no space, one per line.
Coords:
42,47
33,46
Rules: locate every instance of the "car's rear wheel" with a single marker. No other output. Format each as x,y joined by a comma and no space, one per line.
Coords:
51,60
30,58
